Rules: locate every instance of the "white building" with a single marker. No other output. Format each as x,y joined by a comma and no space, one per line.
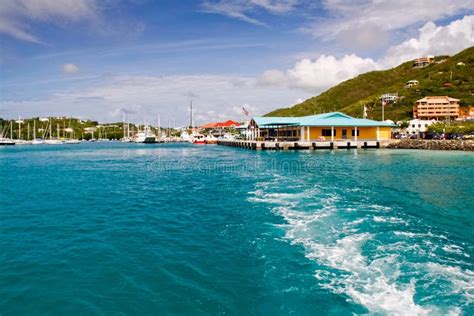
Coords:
411,83
417,126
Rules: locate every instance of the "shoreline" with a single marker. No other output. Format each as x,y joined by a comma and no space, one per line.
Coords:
432,144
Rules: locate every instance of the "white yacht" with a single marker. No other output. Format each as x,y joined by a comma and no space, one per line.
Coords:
144,137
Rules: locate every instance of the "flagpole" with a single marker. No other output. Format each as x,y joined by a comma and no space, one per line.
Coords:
383,110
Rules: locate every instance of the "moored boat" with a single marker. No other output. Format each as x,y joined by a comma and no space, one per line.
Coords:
210,139
72,141
6,142
38,141
198,139
53,141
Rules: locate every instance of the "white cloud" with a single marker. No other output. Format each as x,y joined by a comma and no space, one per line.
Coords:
16,14
326,71
433,40
320,74
70,68
366,24
241,9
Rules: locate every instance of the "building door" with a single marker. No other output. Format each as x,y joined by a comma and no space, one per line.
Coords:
344,134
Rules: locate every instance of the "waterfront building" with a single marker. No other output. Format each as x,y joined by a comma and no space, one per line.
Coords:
329,126
436,107
417,126
219,129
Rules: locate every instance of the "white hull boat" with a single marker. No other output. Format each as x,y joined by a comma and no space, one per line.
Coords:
38,141
145,138
6,142
53,142
72,141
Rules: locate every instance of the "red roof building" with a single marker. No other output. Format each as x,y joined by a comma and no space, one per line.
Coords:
225,124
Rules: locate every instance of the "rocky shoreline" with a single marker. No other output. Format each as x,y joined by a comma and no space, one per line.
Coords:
464,145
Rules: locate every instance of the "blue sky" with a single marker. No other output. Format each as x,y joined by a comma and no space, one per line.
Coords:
100,59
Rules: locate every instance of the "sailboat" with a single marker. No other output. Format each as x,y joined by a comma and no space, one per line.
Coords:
4,141
19,140
36,141
51,140
70,130
126,129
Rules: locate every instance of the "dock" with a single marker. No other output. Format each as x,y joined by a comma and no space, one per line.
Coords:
297,145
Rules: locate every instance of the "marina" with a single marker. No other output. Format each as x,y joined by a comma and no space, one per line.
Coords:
236,157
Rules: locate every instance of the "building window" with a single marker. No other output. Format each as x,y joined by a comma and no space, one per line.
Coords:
413,126
327,132
353,132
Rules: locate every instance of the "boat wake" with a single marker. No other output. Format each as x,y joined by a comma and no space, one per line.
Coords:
369,254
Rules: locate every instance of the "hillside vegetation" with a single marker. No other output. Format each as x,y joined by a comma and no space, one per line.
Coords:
444,77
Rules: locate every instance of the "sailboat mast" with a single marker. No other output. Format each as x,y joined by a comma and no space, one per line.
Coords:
191,115
19,128
159,125
34,129
123,125
50,129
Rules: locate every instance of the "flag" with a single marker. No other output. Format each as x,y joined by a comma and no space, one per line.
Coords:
246,113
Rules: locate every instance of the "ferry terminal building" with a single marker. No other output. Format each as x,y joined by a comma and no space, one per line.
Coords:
322,127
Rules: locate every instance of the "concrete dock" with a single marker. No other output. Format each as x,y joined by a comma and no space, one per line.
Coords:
295,145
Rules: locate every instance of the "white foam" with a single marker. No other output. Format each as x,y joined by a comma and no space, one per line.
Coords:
455,249
389,219
462,280
338,245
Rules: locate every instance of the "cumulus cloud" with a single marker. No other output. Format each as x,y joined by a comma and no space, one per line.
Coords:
70,68
366,24
15,15
242,9
433,40
326,71
319,74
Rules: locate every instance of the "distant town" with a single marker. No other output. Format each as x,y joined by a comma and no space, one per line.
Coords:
433,117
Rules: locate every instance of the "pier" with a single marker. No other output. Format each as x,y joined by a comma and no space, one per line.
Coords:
297,145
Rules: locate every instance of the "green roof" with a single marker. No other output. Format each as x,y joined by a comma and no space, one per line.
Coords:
327,119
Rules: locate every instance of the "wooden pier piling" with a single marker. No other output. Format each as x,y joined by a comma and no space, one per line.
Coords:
284,145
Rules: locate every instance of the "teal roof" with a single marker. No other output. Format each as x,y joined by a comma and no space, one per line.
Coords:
326,119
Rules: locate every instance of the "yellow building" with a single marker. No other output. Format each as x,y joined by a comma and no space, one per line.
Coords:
324,127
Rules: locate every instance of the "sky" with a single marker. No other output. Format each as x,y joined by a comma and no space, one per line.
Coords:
146,59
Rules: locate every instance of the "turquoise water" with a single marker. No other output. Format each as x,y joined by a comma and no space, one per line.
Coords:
109,229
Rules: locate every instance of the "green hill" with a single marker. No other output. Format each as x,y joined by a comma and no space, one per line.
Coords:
444,77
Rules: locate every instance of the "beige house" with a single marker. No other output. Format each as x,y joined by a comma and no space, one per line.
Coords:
423,61
436,107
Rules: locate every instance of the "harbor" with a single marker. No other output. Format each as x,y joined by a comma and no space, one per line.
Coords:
236,157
